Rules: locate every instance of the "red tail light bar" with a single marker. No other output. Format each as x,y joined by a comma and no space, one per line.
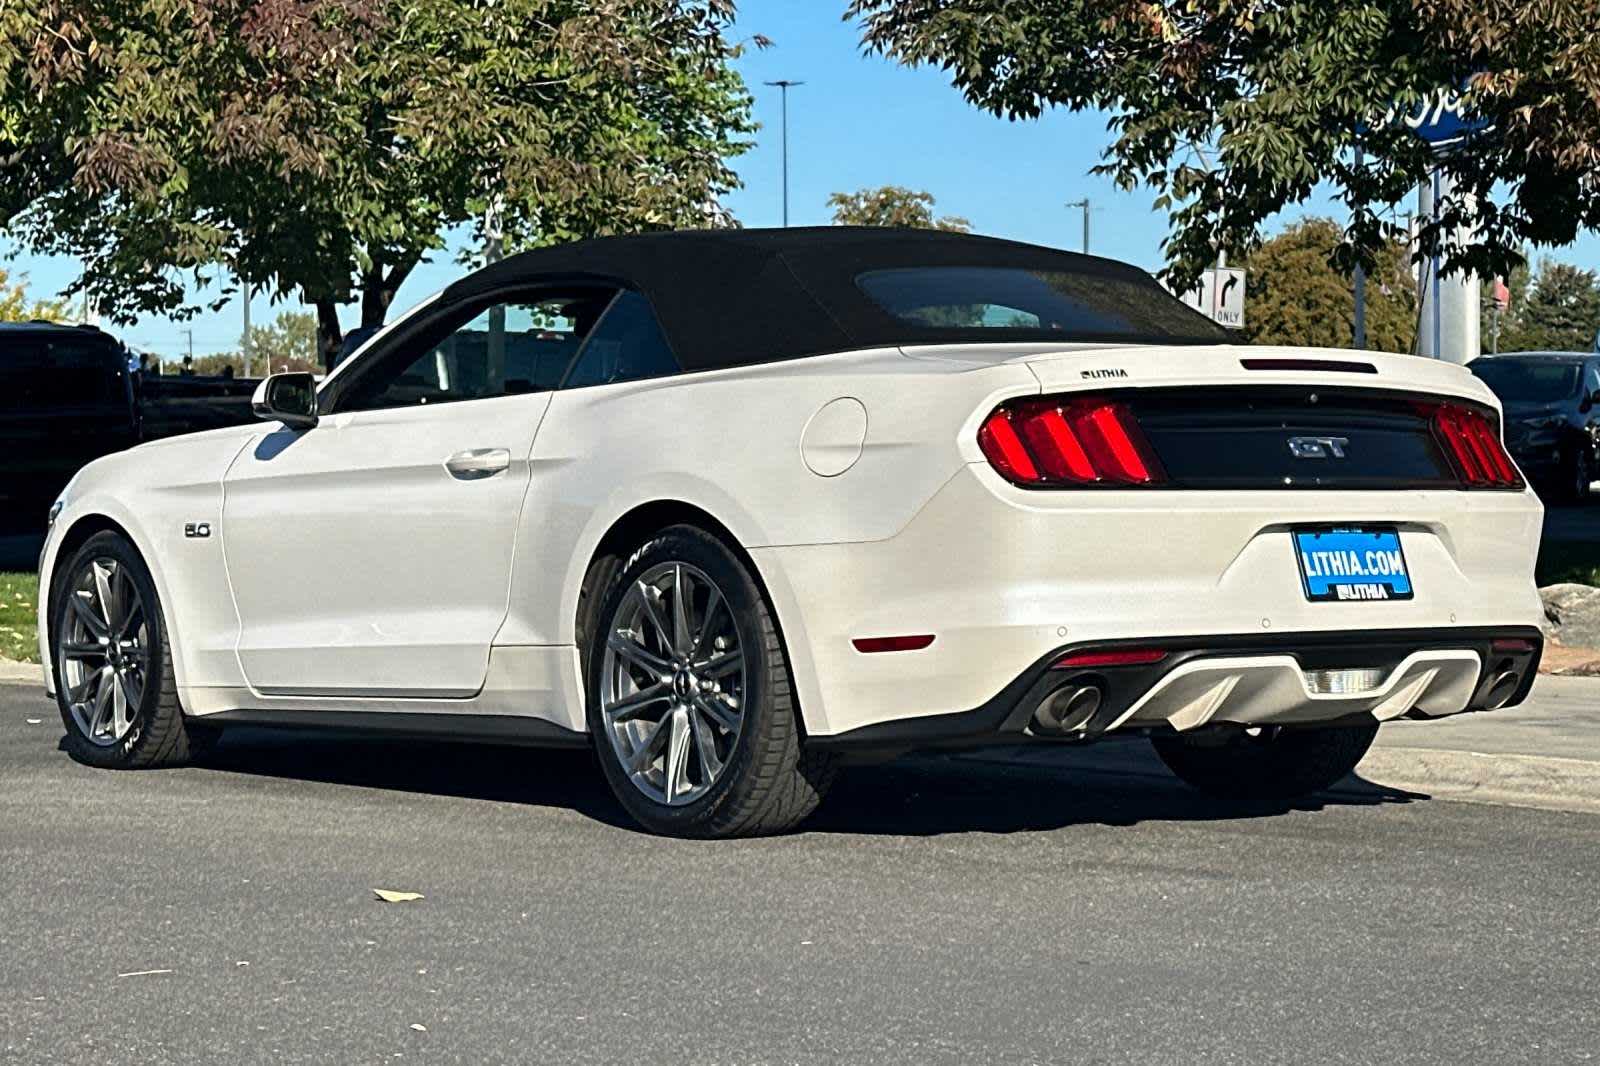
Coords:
1472,443
1067,441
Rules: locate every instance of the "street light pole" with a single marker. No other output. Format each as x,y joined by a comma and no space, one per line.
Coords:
1083,203
784,86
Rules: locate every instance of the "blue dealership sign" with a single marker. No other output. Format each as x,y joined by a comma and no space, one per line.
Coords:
1440,119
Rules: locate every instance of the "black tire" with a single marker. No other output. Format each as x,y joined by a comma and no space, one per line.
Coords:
770,781
1577,476
1268,764
158,733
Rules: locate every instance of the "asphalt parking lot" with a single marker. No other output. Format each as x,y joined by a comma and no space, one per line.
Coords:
937,910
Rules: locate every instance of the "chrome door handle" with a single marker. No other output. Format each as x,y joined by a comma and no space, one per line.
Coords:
477,463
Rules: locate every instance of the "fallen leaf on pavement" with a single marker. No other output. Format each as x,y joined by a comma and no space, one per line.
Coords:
419,1027
391,896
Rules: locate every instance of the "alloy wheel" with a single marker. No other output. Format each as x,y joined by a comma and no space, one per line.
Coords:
673,683
103,651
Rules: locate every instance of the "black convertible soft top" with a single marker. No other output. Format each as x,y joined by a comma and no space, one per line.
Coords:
734,297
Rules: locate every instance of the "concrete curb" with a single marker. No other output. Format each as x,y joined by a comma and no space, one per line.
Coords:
1540,781
11,670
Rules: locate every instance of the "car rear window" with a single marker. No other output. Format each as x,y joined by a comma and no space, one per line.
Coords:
55,371
1034,303
1525,381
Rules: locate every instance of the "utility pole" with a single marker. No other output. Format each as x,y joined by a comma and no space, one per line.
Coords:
784,86
1359,286
244,344
1083,203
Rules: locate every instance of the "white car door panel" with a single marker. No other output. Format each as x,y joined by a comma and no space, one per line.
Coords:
370,555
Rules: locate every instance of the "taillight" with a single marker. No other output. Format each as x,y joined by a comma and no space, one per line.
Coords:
1473,446
1065,441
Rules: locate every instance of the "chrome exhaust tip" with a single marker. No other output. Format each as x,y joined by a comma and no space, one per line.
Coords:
1067,709
1500,690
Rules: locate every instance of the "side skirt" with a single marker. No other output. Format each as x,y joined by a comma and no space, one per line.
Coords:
472,728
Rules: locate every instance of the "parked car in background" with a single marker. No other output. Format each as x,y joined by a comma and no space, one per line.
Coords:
1551,402
171,404
66,397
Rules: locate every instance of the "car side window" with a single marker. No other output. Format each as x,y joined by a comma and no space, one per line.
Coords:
1591,380
503,349
626,345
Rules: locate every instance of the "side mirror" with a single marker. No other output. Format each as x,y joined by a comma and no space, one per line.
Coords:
287,398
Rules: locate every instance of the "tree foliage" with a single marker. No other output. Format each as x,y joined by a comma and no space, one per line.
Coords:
892,205
1298,296
1234,109
15,306
1560,311
320,148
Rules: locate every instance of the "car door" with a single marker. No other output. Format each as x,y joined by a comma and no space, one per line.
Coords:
370,555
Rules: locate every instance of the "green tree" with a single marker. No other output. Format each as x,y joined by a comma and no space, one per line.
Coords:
892,205
288,343
1560,313
319,151
1517,284
1232,110
1298,296
16,307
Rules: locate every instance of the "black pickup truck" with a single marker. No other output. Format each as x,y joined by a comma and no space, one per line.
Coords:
66,397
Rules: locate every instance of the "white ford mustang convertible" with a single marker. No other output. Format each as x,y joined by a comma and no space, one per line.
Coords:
733,507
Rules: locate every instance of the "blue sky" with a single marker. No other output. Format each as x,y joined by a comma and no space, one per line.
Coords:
859,121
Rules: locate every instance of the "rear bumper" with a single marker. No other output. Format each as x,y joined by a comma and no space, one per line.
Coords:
1001,577
1246,680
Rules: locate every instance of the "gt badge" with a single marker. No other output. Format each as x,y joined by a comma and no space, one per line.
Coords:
1318,447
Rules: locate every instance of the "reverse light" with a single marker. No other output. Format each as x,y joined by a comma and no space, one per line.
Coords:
1109,657
1069,441
1511,644
1472,444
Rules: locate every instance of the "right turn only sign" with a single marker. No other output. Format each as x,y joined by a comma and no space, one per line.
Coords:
1220,296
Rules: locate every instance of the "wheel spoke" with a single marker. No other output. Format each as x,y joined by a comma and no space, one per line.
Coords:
674,770
130,608
705,743
681,595
718,713
713,601
632,651
631,706
652,609
104,698
86,615
723,665
102,587
646,751
119,705
79,651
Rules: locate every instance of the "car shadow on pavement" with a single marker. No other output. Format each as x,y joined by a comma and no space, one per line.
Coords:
1117,783
1113,783
536,777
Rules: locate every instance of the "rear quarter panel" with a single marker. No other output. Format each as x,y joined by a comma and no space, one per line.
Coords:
729,442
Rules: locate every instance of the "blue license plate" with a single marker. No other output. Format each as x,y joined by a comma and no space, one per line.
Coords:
1352,564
